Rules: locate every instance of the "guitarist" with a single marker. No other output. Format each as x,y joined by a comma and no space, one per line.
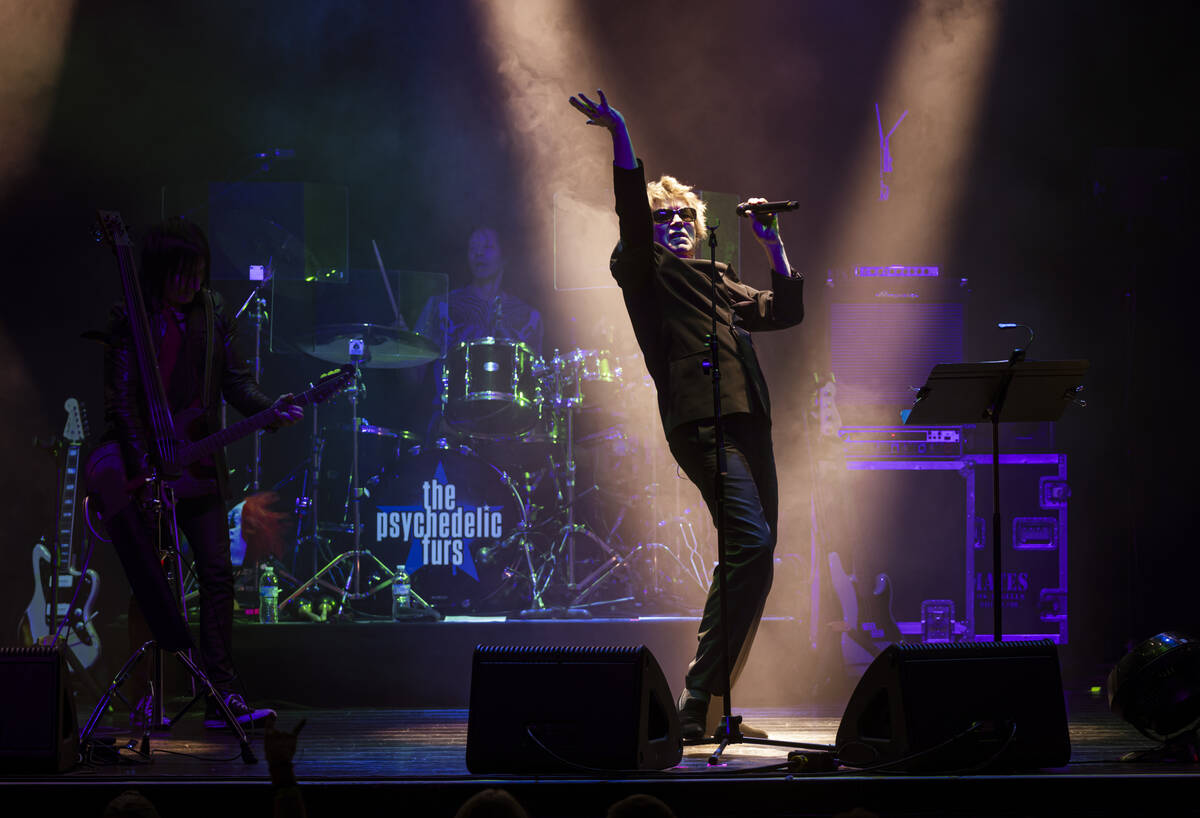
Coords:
197,356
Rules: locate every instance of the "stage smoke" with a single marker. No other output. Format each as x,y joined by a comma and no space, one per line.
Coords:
33,39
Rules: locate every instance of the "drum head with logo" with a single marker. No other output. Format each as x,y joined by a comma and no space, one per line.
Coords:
456,523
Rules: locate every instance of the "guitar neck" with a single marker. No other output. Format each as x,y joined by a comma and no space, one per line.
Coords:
208,445
66,513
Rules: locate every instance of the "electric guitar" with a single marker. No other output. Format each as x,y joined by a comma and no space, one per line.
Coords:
79,631
109,488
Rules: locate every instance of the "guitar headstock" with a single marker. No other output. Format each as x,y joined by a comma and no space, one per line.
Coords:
332,382
75,432
112,226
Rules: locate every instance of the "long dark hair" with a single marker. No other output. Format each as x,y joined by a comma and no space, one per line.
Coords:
168,248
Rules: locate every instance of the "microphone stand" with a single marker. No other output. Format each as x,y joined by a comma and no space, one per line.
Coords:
730,730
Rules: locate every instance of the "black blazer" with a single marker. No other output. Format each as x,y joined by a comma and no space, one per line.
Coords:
668,300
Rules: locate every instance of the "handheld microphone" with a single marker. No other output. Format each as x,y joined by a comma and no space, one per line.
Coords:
764,208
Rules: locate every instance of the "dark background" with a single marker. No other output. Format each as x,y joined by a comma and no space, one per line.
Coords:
1074,218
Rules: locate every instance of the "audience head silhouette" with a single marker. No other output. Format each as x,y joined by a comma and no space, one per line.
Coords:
130,804
640,806
491,804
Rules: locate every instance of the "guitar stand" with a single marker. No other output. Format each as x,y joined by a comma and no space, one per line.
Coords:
89,745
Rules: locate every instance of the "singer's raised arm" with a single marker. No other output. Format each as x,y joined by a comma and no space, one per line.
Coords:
606,116
766,231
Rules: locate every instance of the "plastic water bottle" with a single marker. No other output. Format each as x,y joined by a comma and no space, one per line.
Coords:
400,593
268,596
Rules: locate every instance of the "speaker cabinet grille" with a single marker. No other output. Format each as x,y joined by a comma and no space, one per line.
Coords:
569,709
958,707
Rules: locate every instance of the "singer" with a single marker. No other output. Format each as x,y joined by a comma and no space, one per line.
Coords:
668,294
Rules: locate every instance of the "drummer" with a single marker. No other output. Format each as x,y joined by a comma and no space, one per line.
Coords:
481,309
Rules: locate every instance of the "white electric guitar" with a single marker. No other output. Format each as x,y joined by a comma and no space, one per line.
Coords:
79,632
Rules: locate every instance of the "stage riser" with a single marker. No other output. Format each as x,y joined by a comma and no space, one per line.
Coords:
428,664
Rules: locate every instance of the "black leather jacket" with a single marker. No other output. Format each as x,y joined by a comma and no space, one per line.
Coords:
225,372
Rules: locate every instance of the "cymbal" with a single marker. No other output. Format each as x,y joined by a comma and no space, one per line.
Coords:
382,347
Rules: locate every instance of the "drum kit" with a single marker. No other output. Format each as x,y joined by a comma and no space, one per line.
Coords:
533,493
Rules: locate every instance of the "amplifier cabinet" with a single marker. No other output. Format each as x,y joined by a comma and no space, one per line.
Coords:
927,525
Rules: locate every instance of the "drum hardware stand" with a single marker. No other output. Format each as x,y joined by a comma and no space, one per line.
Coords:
260,316
579,590
352,588
306,502
90,747
657,591
615,560
569,528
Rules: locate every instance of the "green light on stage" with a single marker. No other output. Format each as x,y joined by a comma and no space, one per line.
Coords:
1095,690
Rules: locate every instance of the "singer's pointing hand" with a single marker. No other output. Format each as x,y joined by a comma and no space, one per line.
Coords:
766,225
600,113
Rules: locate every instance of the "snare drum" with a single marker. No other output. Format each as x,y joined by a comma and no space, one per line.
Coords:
377,448
490,387
456,523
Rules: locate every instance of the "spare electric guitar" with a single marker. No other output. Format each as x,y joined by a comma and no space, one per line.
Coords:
67,609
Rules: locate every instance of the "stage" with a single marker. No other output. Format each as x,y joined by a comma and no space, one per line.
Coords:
385,706
411,762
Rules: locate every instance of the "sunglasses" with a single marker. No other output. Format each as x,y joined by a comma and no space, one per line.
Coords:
665,215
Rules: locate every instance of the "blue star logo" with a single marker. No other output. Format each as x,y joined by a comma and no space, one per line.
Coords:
416,551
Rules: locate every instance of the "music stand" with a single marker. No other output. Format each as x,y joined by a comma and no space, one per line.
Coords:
1012,391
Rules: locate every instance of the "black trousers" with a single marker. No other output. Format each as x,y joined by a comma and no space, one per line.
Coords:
751,530
204,522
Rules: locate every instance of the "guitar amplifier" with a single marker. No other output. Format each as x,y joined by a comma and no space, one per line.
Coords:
39,731
888,327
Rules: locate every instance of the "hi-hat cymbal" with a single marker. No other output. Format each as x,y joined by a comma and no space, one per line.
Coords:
382,347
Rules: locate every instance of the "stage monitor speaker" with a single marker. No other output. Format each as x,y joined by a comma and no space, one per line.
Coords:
949,707
570,709
38,728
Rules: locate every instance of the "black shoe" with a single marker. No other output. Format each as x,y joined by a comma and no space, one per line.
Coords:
716,719
246,717
693,713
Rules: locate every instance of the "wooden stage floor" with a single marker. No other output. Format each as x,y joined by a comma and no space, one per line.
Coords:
411,762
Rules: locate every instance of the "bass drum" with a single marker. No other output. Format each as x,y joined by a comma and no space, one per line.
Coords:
457,524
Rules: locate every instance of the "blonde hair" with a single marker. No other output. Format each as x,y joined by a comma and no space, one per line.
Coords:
669,189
